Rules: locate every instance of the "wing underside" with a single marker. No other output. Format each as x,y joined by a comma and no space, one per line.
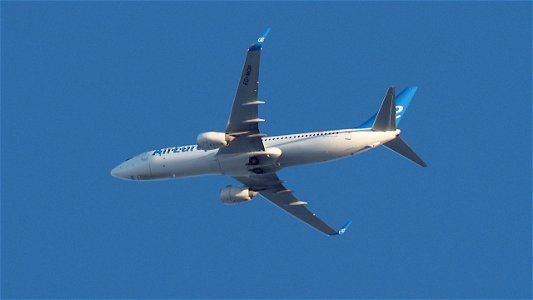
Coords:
244,120
271,188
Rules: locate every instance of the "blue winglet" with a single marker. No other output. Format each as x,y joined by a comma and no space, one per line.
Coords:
260,41
345,227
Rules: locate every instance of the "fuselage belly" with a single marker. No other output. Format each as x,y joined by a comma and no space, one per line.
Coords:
296,149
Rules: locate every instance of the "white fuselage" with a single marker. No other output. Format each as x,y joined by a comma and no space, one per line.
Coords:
296,149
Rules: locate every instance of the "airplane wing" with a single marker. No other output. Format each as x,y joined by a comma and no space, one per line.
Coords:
271,187
244,119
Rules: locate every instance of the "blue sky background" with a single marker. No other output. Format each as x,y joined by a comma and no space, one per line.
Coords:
86,85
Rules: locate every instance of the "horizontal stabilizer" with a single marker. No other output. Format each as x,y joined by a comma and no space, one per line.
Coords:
399,146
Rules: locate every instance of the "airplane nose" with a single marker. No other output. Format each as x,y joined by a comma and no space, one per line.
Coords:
121,171
133,169
115,171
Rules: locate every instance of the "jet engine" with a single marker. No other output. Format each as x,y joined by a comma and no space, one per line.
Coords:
213,140
234,195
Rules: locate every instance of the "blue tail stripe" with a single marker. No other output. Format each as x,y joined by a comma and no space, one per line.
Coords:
402,101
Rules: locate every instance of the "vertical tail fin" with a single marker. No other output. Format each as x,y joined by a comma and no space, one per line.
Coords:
402,101
386,117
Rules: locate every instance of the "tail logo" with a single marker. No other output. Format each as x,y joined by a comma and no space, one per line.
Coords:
399,109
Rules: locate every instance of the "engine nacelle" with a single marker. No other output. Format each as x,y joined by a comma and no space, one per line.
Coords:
213,140
234,195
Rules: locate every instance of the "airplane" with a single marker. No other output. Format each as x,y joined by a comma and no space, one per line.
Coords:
253,158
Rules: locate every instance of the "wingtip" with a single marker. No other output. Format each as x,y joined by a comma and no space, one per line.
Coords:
344,228
257,45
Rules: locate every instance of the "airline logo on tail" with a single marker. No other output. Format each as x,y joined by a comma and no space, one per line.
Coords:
399,109
402,102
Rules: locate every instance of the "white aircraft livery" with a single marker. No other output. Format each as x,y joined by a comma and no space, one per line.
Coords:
254,159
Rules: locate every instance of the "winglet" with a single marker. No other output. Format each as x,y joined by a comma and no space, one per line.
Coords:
260,41
344,228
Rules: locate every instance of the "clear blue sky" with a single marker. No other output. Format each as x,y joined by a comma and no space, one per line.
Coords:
86,85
